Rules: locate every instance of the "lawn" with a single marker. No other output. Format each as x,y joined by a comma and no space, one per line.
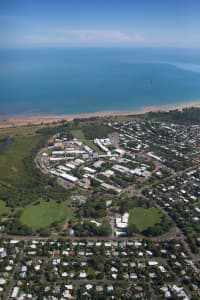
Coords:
94,147
13,170
3,208
78,134
144,218
44,214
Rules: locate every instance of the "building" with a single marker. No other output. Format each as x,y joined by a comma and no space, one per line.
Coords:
69,177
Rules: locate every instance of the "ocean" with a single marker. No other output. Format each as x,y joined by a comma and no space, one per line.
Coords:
83,80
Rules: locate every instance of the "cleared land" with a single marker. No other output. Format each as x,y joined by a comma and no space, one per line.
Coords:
44,214
78,134
144,218
3,208
13,170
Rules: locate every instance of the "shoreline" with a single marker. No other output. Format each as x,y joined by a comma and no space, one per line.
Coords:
24,120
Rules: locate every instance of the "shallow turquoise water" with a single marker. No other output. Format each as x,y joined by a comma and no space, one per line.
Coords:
77,80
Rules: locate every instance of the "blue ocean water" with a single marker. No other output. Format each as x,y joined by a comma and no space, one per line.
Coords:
78,80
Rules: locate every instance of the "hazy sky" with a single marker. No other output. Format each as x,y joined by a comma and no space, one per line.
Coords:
165,23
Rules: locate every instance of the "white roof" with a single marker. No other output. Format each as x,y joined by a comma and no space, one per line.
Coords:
68,177
122,225
90,170
15,292
120,151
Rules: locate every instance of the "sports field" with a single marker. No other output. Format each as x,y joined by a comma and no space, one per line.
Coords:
144,218
44,214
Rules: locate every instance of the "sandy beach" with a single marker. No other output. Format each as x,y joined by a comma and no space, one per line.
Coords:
21,120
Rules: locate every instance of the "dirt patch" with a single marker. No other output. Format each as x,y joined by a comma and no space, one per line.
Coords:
65,225
14,169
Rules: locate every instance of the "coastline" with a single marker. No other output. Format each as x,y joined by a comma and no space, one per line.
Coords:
23,120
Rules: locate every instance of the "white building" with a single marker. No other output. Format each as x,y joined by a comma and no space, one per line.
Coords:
69,177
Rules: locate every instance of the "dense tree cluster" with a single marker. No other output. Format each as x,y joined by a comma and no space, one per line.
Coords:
92,131
91,229
186,116
94,209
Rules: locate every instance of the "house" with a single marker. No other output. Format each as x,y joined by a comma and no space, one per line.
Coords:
15,292
120,169
89,170
120,152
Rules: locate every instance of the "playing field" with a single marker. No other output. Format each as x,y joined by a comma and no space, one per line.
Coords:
144,218
3,208
44,214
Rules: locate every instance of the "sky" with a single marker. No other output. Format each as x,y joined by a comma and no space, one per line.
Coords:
121,23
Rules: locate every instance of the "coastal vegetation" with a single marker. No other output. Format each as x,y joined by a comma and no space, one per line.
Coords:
17,131
186,116
88,129
98,131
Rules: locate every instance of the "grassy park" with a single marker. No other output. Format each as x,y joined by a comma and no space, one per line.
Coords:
44,214
144,218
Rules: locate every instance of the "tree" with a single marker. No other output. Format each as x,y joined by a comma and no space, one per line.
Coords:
132,229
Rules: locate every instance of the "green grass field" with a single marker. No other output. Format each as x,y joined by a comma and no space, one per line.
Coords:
78,134
12,170
44,214
3,208
93,147
144,218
